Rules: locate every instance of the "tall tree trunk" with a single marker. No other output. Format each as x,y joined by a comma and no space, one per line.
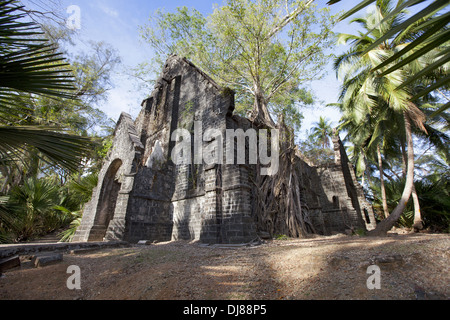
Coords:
404,158
363,179
418,223
383,188
278,199
388,223
261,115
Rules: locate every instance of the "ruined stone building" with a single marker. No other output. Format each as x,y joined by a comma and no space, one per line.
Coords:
143,195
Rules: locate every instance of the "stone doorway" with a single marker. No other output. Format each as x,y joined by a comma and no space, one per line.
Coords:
107,202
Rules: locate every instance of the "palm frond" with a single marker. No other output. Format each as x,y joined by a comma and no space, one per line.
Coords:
428,11
28,63
430,29
64,150
30,67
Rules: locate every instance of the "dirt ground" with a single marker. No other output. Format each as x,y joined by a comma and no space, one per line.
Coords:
413,266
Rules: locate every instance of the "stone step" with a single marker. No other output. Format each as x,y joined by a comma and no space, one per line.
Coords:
8,251
40,261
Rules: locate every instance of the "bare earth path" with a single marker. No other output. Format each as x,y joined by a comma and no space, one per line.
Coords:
331,268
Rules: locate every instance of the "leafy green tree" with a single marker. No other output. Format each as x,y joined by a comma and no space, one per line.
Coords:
51,129
264,50
77,113
29,66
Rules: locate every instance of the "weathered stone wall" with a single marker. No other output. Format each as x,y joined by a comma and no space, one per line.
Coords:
143,195
333,198
117,173
159,200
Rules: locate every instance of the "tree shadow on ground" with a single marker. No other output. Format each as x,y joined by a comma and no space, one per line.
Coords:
333,268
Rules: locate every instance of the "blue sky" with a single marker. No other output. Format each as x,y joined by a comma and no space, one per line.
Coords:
117,22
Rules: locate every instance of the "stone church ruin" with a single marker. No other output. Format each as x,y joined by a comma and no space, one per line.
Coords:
143,195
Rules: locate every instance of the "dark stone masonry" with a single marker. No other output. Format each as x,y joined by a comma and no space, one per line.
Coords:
143,195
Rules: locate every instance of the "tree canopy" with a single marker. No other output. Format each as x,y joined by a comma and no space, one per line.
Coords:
381,111
50,124
267,50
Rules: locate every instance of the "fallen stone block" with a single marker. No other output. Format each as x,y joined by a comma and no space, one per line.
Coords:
9,263
46,260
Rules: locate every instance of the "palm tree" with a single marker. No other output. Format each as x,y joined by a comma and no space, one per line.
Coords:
367,92
30,67
371,137
431,35
322,131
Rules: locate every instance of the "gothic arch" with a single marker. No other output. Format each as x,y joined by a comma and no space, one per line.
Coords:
107,201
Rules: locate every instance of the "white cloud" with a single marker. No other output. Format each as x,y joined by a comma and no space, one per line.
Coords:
123,98
109,11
